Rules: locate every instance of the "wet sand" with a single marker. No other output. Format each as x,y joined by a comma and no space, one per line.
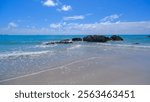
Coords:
85,65
114,70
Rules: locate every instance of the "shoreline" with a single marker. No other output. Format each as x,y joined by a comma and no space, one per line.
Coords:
88,62
90,71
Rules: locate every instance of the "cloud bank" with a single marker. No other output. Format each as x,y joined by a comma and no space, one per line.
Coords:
78,28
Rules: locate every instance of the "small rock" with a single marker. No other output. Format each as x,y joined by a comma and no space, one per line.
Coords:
66,41
116,38
49,43
136,43
148,36
76,39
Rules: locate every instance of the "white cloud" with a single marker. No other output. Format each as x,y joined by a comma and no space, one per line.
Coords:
104,28
12,25
49,3
53,3
80,17
91,28
65,8
110,18
55,26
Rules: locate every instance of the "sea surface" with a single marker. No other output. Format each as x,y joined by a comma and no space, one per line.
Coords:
25,54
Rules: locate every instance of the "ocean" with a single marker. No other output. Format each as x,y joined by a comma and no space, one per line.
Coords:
26,54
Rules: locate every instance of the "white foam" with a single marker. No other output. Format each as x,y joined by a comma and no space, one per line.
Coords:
45,46
21,53
74,47
126,45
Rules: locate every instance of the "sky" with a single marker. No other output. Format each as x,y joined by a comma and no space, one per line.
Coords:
74,16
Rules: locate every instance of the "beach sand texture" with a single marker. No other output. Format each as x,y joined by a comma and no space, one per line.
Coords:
116,66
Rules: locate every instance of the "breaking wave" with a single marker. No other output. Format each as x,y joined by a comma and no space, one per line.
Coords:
23,53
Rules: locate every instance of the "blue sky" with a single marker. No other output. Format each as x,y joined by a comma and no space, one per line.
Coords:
74,16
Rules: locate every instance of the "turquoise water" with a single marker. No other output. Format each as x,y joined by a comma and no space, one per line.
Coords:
24,54
12,43
22,42
23,45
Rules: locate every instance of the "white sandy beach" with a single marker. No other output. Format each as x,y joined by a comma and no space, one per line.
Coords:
120,68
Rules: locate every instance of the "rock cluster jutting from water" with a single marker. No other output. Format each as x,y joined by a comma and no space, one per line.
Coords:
89,38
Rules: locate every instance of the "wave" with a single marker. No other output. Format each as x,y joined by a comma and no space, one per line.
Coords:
74,47
45,46
23,53
125,45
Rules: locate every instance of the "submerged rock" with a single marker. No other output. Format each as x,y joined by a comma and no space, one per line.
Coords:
76,39
148,36
95,38
136,43
116,38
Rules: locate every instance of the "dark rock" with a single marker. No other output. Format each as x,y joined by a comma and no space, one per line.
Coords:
66,41
88,38
116,38
76,39
95,38
108,39
136,43
49,43
148,36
